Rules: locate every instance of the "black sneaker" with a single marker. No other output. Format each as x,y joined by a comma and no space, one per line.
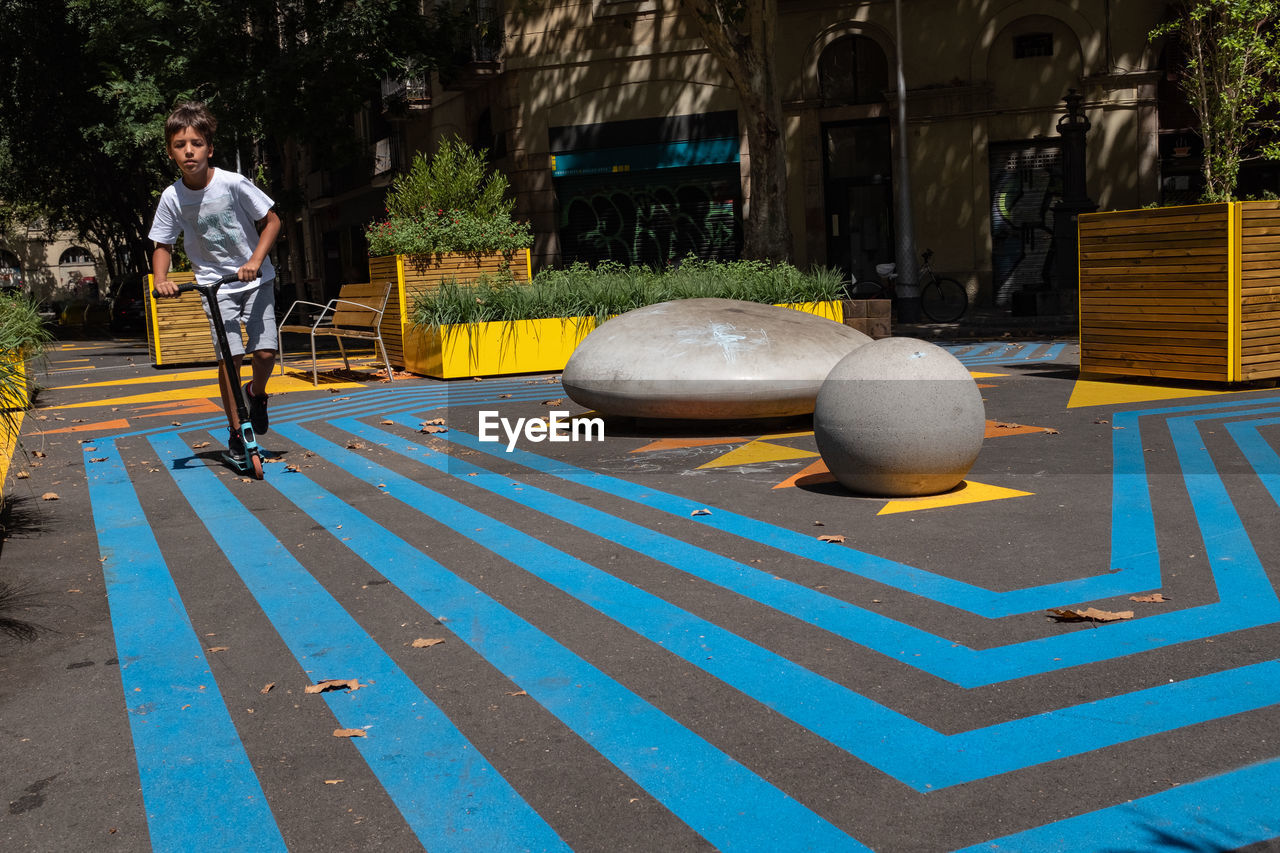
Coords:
235,450
257,410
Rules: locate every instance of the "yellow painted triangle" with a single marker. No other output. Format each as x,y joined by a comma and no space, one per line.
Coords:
279,385
977,375
755,452
1092,392
969,492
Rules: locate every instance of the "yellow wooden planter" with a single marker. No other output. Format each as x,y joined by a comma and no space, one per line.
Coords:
519,346
177,328
418,274
14,402
1188,292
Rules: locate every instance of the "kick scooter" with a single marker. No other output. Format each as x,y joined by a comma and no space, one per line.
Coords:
252,463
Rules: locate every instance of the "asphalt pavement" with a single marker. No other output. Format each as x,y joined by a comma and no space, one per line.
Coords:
672,637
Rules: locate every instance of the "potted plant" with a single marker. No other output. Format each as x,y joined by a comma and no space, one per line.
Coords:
22,338
448,219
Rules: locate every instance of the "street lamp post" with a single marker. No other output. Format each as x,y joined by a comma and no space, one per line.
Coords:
908,290
1075,198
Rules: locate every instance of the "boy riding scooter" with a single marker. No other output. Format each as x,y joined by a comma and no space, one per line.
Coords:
218,213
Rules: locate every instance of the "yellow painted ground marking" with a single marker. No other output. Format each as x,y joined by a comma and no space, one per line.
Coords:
57,368
1098,392
785,435
977,375
968,492
756,452
69,360
209,374
278,386
678,443
206,374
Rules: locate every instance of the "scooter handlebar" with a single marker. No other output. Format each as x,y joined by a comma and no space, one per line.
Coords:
194,285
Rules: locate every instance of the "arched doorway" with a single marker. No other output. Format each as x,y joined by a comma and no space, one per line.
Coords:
857,158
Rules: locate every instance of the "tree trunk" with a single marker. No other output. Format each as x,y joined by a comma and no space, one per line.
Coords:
742,37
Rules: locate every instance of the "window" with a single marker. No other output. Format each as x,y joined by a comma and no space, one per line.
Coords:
1032,45
853,70
75,255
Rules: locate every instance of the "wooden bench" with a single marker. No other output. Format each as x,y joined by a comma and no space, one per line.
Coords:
355,314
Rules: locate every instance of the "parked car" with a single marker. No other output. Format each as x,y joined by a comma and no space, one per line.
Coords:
127,305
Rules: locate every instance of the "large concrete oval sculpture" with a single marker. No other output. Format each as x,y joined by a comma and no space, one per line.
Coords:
899,417
707,359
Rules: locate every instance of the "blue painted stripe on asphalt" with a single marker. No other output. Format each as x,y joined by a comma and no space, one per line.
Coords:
367,401
1135,554
909,751
922,649
450,795
198,786
1264,460
1249,598
1223,812
715,795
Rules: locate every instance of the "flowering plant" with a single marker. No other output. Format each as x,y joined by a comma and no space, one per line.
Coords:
451,202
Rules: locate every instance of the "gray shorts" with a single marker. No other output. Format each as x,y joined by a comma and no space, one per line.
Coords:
256,308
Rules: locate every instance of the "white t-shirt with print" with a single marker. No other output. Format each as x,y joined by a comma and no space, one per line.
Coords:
218,224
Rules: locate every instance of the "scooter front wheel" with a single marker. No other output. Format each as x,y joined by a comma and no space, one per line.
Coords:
255,461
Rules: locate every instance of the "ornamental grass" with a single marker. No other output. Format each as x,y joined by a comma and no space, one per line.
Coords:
611,289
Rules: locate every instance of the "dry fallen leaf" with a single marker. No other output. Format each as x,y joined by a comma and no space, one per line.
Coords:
22,475
426,643
328,684
430,430
387,422
349,733
199,444
291,467
1089,614
1051,431
557,401
49,496
266,688
355,445
97,458
831,538
434,422
213,649
700,512
1154,598
332,781
39,454
518,693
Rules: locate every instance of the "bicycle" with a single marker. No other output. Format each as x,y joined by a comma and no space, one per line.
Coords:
942,299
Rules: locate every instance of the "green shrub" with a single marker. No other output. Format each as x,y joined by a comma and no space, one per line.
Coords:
22,338
611,288
448,203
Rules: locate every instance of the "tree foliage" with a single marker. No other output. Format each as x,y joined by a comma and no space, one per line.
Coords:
742,35
1231,70
86,84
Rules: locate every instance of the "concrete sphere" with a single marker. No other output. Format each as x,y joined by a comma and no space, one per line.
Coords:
707,359
899,417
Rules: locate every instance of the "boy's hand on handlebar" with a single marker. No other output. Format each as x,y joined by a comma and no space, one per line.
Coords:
164,287
248,272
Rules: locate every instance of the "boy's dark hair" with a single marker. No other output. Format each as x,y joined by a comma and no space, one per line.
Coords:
192,114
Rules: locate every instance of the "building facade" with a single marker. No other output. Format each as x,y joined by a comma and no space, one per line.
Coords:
623,137
54,269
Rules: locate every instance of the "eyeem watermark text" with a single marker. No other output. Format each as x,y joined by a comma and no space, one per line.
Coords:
558,426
